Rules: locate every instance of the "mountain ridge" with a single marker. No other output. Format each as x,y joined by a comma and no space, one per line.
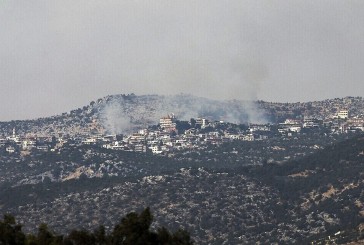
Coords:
122,113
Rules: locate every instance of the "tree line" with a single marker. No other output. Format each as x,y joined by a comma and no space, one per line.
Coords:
133,229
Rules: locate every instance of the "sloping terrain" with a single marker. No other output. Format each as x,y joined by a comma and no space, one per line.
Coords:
118,114
217,200
328,184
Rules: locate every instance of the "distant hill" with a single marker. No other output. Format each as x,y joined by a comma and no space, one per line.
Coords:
117,114
278,112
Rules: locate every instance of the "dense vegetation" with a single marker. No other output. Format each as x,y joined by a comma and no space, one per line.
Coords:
133,229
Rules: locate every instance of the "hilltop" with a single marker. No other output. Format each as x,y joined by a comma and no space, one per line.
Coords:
117,114
278,112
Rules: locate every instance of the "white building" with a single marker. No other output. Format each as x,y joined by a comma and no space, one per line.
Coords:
203,122
156,149
89,141
28,144
15,138
343,114
10,149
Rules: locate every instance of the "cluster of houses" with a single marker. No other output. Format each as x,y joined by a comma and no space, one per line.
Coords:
167,136
341,122
14,142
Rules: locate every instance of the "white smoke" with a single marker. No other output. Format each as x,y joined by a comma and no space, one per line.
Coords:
114,119
123,114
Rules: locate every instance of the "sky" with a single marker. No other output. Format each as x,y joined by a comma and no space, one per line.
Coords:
56,56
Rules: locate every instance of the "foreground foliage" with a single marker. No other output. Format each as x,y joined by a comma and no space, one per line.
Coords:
133,229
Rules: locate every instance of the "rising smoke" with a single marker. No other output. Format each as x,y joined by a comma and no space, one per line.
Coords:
114,119
124,114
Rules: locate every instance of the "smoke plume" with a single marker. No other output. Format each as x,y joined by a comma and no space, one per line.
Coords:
114,119
125,113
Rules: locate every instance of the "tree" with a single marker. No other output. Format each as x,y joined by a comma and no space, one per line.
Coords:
100,235
45,236
180,237
164,236
10,232
182,126
82,237
134,229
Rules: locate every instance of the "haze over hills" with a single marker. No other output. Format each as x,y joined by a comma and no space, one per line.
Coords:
116,114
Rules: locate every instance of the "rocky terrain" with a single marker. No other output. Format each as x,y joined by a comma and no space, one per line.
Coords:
312,195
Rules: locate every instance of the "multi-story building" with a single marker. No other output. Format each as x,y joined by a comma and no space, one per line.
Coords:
356,123
343,114
168,123
202,122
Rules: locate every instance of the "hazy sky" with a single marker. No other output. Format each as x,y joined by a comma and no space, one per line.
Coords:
60,55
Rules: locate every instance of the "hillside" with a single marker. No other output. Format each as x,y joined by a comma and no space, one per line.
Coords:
278,112
327,185
214,194
117,114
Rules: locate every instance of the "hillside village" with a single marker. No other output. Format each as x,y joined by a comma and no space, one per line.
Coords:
171,135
